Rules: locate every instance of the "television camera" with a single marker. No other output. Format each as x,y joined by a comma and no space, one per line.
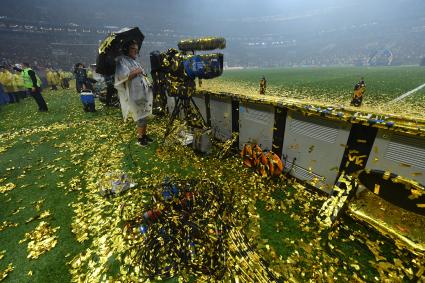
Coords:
174,73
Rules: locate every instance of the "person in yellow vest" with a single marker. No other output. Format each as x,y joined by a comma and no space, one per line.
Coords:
69,77
51,79
3,99
89,74
17,84
21,88
61,78
57,79
64,81
9,87
3,76
32,83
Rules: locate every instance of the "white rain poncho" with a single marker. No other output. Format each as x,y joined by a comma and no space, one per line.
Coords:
135,95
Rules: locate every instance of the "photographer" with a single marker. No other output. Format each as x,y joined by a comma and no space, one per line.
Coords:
359,90
82,81
263,85
134,91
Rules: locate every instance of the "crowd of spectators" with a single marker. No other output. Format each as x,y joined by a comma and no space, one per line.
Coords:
368,53
61,49
45,50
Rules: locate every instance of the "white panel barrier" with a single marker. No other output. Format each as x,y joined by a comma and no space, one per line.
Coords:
221,117
313,148
256,122
200,103
403,155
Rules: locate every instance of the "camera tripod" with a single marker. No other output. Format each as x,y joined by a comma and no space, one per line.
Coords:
191,113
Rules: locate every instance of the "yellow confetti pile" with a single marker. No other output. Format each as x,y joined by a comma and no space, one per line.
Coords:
41,240
6,188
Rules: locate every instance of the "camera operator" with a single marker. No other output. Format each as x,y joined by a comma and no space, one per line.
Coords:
134,90
82,81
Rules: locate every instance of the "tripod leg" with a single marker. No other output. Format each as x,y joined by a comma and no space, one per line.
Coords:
173,116
197,112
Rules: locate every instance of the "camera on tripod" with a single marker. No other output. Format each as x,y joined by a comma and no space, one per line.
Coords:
174,71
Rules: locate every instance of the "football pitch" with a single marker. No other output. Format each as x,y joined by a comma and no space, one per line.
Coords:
334,85
55,226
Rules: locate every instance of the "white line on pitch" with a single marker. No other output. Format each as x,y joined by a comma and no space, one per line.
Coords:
407,93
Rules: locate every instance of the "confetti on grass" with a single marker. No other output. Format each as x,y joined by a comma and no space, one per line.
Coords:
42,240
7,188
5,273
7,224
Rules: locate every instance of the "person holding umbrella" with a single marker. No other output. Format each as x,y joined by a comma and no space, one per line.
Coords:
134,89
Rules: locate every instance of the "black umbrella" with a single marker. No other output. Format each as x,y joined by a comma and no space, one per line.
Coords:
110,48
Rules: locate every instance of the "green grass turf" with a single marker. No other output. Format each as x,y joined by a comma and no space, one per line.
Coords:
383,83
25,163
40,185
290,231
347,252
33,154
38,157
34,160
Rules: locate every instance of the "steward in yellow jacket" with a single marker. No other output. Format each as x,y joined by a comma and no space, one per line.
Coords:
52,81
8,86
32,83
18,85
64,79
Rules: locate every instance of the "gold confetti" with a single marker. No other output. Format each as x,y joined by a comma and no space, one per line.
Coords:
416,193
42,215
386,175
104,220
38,204
376,189
5,273
7,224
6,188
41,240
